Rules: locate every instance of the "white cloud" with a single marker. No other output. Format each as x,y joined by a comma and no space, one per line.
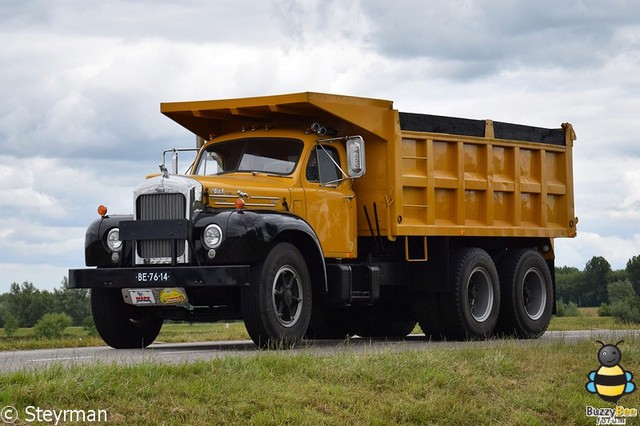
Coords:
578,251
632,183
42,275
20,195
31,243
487,37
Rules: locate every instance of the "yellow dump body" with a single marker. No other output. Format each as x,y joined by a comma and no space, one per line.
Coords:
426,175
484,186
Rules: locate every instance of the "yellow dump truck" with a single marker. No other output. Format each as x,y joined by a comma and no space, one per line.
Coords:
312,215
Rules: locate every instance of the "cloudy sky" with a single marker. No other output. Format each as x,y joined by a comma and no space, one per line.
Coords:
81,83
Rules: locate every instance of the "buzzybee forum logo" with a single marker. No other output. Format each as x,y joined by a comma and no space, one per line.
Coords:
610,382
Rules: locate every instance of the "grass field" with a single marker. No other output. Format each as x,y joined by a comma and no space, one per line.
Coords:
509,383
588,320
170,333
506,384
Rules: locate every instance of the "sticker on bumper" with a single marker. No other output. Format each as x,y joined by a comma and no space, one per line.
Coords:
142,297
172,296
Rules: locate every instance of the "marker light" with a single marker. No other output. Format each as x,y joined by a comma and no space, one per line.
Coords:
102,210
239,203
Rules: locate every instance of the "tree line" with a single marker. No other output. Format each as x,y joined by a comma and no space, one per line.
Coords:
589,287
24,305
616,292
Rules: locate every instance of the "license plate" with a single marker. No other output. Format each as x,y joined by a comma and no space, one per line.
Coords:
153,277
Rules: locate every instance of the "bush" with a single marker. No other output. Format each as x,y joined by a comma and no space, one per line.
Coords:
89,326
604,310
567,309
628,311
52,326
624,302
11,325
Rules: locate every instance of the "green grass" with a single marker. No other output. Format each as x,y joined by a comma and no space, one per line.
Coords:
589,323
589,320
174,333
171,333
508,383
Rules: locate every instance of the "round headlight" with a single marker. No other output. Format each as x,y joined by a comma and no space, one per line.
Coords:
212,236
113,239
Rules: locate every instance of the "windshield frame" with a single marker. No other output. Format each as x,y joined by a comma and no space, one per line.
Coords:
246,143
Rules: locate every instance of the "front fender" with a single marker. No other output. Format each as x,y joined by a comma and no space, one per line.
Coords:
251,234
96,252
255,232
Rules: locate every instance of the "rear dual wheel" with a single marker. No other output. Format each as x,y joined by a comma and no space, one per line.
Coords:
527,294
474,300
470,309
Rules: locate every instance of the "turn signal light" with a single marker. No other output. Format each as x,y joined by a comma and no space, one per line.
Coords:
102,210
239,203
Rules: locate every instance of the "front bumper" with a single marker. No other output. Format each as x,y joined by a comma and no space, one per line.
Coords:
160,276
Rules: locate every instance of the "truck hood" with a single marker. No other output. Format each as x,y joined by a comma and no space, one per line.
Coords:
258,191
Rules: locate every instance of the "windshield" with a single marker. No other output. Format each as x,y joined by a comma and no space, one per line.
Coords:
265,155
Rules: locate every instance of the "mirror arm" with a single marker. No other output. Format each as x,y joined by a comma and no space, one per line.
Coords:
333,161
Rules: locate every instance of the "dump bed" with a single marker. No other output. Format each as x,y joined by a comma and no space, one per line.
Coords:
483,178
426,175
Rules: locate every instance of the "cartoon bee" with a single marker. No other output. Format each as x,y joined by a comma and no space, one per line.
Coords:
610,381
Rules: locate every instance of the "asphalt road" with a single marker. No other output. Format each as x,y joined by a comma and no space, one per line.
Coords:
188,352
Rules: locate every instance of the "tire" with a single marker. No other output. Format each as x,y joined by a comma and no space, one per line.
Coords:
122,326
470,309
527,295
426,310
276,307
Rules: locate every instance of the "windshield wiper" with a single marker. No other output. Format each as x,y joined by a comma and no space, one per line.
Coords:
261,173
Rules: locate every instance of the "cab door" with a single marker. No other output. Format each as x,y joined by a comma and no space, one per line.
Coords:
331,204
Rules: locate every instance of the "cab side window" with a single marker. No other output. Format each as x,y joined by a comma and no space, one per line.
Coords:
321,168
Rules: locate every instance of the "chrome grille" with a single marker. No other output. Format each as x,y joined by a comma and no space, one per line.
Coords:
157,207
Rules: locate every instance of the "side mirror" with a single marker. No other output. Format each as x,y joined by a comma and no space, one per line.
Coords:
356,163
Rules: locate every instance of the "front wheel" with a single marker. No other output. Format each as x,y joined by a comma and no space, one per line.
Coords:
276,307
122,326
